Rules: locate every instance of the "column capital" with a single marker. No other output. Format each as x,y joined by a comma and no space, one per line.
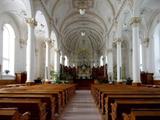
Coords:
58,51
22,42
145,42
49,42
135,21
31,21
118,40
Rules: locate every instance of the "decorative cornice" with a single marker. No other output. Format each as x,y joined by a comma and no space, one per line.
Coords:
31,21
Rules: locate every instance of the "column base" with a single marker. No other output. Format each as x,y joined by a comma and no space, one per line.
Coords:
136,84
30,83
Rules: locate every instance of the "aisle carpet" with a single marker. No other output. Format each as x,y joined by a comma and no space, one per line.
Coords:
81,107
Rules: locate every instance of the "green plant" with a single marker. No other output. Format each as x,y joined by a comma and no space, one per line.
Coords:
53,75
115,72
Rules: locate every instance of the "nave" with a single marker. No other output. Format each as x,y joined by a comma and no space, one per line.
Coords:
81,107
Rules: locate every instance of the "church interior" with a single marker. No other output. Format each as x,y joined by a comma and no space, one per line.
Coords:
80,59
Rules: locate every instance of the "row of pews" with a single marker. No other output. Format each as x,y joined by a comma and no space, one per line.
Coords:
37,102
124,102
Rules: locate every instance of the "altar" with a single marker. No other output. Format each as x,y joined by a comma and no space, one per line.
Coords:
84,78
84,72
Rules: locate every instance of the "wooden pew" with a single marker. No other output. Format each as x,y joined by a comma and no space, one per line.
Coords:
22,91
48,99
142,114
61,93
125,106
103,91
34,106
13,114
112,98
104,94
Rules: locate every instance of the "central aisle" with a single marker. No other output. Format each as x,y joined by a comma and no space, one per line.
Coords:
81,107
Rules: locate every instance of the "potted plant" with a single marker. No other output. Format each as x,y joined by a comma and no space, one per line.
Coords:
55,77
6,71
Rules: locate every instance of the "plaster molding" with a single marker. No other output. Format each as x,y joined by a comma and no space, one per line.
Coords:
135,21
22,42
145,42
31,21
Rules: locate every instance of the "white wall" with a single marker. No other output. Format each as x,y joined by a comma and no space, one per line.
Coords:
20,52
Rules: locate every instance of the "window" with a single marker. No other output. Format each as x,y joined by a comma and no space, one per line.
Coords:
66,61
157,52
8,50
101,61
141,64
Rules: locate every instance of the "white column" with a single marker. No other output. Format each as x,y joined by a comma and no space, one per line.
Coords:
135,46
58,61
119,61
1,49
47,60
31,50
110,64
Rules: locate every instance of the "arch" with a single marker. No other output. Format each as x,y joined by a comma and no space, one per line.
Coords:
42,27
156,37
136,7
29,7
8,54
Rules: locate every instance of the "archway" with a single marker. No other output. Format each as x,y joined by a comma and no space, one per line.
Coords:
8,49
157,52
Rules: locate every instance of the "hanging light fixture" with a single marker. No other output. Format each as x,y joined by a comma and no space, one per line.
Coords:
82,11
83,34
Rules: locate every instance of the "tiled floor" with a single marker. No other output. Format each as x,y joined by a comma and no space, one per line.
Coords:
81,107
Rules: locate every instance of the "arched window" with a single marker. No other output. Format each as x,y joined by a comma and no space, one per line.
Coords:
157,52
8,50
141,64
66,61
106,60
101,61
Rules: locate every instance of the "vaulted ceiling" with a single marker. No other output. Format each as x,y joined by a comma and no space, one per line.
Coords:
84,36
85,32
